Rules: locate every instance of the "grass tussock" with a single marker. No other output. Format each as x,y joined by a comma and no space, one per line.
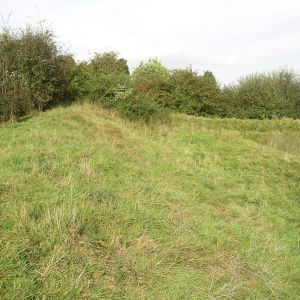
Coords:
93,206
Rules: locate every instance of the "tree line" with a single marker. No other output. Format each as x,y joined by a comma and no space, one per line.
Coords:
35,74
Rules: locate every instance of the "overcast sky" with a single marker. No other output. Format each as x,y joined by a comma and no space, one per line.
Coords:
231,38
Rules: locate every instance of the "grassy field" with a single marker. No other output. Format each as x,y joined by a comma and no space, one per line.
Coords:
93,206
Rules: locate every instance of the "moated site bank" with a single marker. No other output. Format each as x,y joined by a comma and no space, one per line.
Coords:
93,206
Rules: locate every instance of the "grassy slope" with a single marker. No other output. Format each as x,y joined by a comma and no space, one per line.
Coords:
95,207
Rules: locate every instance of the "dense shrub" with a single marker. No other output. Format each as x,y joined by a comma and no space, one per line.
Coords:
33,72
289,89
105,79
14,92
194,94
64,90
109,63
229,106
152,66
80,79
142,108
263,96
152,80
102,78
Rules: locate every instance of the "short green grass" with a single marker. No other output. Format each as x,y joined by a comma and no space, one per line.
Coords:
95,207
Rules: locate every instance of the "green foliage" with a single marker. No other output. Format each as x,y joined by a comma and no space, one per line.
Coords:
289,89
142,108
262,96
229,105
152,80
80,79
152,66
106,80
33,72
14,91
64,89
194,94
109,63
103,88
102,78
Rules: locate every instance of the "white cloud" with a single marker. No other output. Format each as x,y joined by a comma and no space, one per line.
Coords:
231,38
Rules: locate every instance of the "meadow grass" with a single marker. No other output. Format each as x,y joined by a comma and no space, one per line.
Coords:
95,207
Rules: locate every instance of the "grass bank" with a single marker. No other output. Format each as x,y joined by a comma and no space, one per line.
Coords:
92,206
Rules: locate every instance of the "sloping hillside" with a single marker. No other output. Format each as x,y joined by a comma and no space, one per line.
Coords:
92,206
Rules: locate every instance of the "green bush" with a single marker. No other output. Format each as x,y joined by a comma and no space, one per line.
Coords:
65,91
261,96
194,94
229,105
102,77
142,108
80,79
152,80
152,66
35,74
289,88
109,63
106,80
33,71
